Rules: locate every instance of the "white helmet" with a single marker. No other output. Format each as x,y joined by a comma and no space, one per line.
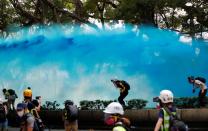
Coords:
114,108
166,96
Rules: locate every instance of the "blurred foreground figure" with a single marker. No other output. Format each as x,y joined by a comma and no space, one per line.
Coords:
27,120
3,116
114,117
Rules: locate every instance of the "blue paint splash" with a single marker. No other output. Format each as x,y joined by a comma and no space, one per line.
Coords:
65,62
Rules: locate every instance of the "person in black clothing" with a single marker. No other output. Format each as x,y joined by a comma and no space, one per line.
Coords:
11,96
33,109
70,116
124,89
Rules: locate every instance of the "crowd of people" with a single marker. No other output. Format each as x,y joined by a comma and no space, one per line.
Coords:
30,120
27,112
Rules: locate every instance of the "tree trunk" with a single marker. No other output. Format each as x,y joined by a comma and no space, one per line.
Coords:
78,9
147,15
101,8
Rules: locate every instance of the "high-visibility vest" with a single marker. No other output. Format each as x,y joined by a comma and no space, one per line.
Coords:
119,128
166,121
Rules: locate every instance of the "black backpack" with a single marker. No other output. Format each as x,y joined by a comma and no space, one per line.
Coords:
35,126
126,84
71,113
11,92
2,113
201,79
176,123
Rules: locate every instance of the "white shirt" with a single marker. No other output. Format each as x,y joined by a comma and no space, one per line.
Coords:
200,84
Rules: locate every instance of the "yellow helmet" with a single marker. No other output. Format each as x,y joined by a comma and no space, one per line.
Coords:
27,92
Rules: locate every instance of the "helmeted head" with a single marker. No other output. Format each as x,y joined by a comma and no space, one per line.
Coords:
30,106
35,103
112,113
114,108
166,96
21,107
68,102
27,93
4,90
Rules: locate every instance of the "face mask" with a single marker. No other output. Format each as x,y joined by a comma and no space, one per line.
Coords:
109,120
20,113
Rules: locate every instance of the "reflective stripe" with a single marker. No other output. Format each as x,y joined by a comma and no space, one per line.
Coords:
166,121
119,128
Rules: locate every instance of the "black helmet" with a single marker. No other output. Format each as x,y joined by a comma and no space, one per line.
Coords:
35,103
4,90
69,102
30,106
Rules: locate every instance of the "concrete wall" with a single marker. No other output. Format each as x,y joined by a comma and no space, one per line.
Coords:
143,119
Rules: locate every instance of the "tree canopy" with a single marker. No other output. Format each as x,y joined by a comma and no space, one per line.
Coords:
186,16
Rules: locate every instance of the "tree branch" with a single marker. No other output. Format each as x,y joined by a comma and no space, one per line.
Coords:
24,13
52,6
111,3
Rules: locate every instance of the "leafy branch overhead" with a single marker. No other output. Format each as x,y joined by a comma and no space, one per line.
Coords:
189,17
181,103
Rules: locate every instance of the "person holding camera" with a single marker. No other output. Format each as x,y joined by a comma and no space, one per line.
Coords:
167,114
199,82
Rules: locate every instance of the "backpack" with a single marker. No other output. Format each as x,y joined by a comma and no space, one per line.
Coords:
71,113
2,113
126,84
38,121
11,92
176,124
35,127
201,79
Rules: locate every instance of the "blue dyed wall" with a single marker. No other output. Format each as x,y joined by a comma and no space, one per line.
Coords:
64,62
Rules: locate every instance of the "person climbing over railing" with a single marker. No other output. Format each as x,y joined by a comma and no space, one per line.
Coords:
124,89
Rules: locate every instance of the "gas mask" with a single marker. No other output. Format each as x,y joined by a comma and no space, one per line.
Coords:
110,119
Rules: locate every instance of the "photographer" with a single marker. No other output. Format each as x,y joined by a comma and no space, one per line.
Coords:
168,119
199,82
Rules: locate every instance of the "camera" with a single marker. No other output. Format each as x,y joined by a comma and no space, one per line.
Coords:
38,97
114,80
156,99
